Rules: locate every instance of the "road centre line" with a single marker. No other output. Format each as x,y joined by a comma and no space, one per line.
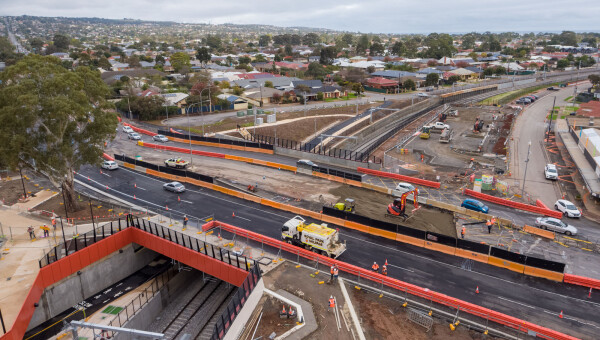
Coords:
243,218
379,245
409,270
518,303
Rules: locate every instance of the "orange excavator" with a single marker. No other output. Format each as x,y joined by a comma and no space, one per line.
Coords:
398,207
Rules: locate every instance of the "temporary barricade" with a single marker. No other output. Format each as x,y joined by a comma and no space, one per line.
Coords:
582,281
516,205
540,232
399,177
402,286
541,204
137,129
107,157
218,142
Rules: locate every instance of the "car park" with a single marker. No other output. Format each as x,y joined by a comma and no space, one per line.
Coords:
160,138
567,208
134,136
110,165
306,162
554,224
174,187
127,129
550,171
475,205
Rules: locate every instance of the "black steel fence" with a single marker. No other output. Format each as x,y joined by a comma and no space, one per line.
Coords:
317,149
185,135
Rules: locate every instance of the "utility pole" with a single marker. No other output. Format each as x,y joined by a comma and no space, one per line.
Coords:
551,117
526,163
64,237
65,203
92,213
23,183
304,103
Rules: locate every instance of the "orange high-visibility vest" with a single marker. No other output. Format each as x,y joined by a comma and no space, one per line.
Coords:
375,266
335,271
331,303
332,269
463,230
384,270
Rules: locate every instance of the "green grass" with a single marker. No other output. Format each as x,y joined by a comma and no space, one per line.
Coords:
351,96
568,98
507,97
496,98
112,310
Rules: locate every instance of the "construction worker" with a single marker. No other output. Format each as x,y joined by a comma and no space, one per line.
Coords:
463,232
331,303
336,273
46,231
54,223
185,220
384,270
489,226
375,267
331,270
31,232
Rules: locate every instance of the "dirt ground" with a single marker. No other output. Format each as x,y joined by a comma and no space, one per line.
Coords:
386,319
83,214
270,321
11,191
374,205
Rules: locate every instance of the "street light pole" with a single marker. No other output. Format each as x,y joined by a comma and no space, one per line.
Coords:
526,163
551,116
190,133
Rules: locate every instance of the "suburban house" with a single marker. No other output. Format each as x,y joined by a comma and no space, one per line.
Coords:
256,95
329,91
175,99
280,83
380,83
235,102
463,73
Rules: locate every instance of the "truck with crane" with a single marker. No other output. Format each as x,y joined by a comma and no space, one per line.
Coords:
315,237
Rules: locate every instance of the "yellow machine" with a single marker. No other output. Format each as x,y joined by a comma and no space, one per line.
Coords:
348,205
425,132
315,237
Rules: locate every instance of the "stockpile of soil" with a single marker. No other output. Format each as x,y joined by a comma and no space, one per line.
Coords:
374,205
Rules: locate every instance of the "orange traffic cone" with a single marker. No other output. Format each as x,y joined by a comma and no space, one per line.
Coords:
89,178
167,207
107,187
477,290
134,197
100,172
283,310
233,214
561,314
135,185
178,199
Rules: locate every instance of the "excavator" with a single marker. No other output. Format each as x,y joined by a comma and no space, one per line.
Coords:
398,207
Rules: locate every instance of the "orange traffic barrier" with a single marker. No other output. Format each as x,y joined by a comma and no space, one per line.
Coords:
510,265
516,205
540,232
129,165
440,247
471,255
410,240
546,274
404,178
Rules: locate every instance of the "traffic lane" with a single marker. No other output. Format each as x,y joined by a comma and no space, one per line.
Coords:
268,221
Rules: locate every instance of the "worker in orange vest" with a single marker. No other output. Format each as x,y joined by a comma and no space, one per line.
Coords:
331,270
335,273
54,223
489,226
375,267
463,232
185,220
331,303
384,270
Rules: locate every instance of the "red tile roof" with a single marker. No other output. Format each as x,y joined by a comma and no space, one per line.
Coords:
382,81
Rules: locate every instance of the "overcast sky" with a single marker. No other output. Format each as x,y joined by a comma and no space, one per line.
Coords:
370,16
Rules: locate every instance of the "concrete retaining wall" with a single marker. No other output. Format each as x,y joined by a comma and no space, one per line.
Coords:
516,83
324,160
242,318
93,279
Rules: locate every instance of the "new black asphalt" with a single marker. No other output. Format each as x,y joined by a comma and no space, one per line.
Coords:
533,299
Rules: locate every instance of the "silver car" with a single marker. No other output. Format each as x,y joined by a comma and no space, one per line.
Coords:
134,136
160,138
174,187
554,224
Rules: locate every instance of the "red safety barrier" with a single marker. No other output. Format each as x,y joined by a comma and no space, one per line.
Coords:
541,204
516,205
425,293
582,281
137,129
408,179
107,157
183,150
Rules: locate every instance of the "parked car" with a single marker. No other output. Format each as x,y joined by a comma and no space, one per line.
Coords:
110,165
524,100
127,129
403,187
532,97
429,88
475,205
567,208
134,136
177,163
160,138
174,187
554,224
422,94
552,88
306,162
551,172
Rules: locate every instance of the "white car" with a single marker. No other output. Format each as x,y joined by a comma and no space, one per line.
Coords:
160,138
567,208
134,136
110,165
551,172
422,94
403,187
174,187
554,224
127,129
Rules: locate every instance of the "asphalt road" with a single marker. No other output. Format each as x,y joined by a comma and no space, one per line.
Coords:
536,300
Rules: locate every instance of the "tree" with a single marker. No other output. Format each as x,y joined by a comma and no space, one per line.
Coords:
264,40
104,63
7,51
409,84
288,50
269,83
244,60
398,48
134,61
53,120
362,44
310,39
462,64
238,91
371,69
432,79
594,79
213,42
563,63
320,96
61,42
327,55
225,84
36,44
376,49
259,58
179,60
468,42
439,45
432,62
357,88
567,38
347,38
203,55
276,97
316,70
453,79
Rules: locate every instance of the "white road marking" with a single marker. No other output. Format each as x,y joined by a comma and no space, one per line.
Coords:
518,303
190,202
140,188
409,270
105,174
243,218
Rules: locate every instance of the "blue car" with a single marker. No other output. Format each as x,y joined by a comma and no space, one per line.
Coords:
475,205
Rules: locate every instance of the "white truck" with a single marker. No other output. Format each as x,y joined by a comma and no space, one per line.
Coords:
438,126
314,237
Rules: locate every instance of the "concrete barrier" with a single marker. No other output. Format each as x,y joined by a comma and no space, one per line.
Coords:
516,205
399,177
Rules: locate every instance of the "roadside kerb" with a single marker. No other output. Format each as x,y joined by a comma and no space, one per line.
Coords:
425,293
511,204
409,179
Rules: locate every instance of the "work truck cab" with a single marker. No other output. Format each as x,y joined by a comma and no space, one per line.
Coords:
314,237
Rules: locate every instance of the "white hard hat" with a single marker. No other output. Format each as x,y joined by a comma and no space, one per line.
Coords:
331,297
